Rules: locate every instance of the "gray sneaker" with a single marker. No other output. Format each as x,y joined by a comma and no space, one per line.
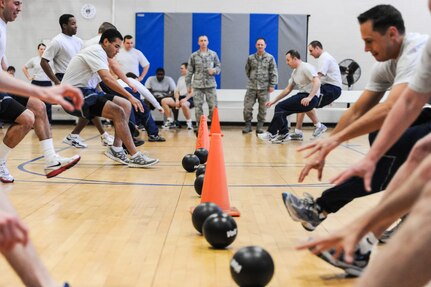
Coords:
141,160
319,131
266,136
296,137
281,139
353,269
120,157
304,210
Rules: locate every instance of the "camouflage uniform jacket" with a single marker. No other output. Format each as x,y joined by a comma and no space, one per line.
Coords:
198,66
261,72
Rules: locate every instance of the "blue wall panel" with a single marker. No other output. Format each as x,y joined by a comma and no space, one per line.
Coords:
150,39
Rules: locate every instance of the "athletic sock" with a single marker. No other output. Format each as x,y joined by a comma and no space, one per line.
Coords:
48,150
4,152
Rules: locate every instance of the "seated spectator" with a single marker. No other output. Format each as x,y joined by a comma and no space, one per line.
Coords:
162,87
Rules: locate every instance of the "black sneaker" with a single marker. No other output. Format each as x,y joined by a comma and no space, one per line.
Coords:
304,210
353,269
156,138
138,141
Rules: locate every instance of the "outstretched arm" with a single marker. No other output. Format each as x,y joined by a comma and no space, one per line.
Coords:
52,95
109,80
356,121
409,105
398,202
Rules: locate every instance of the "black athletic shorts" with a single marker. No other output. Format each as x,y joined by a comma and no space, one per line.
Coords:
10,109
94,102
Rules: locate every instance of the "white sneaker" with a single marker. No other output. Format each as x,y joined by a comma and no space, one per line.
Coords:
319,131
75,141
167,125
266,136
141,160
107,139
5,176
189,125
60,164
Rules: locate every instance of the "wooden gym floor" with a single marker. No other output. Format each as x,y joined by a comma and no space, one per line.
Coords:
103,224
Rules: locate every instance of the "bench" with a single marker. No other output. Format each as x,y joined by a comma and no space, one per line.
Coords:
230,104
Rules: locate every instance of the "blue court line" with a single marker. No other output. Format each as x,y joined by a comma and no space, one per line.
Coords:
66,180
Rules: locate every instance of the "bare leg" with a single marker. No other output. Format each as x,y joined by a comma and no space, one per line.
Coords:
186,110
82,123
118,111
41,123
18,130
167,104
299,120
313,116
24,259
98,124
406,259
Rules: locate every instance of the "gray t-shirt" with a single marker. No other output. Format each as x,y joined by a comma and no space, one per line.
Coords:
400,70
160,89
84,66
421,82
302,78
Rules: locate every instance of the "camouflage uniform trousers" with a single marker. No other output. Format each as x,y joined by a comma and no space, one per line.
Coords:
262,96
198,100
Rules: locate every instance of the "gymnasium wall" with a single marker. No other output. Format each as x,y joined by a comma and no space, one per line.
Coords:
168,39
332,22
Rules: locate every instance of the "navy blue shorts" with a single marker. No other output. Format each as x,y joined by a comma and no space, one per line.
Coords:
189,100
94,102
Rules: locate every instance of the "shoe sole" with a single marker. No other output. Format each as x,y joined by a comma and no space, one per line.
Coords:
293,214
63,168
328,258
75,146
115,158
7,181
143,166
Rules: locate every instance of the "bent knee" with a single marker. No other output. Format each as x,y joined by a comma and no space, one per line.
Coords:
26,119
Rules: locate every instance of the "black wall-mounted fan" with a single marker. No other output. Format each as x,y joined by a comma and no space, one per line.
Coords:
350,72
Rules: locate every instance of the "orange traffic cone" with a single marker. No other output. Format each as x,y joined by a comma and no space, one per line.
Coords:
215,185
203,140
215,123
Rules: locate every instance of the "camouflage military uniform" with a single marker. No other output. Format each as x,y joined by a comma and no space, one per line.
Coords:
203,82
262,74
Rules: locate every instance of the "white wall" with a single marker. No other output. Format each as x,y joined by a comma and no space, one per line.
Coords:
333,22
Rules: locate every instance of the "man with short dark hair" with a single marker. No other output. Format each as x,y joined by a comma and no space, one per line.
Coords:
25,113
60,51
89,63
397,54
305,79
163,88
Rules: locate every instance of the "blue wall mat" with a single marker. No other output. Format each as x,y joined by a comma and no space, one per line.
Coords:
208,24
264,26
150,39
169,39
